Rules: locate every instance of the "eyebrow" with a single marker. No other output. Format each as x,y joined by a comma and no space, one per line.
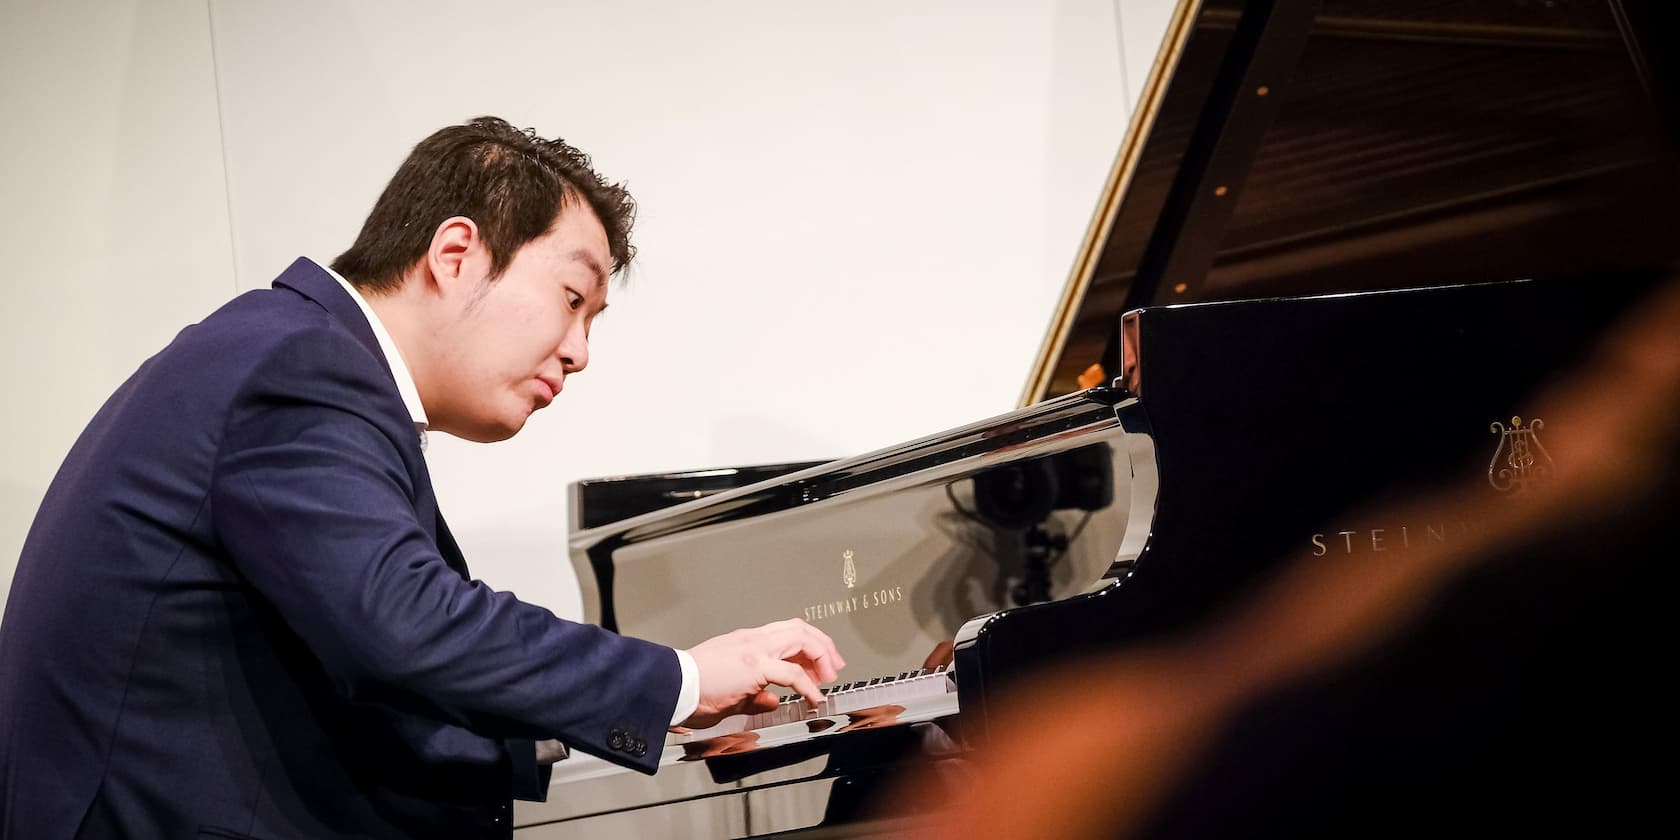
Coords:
588,259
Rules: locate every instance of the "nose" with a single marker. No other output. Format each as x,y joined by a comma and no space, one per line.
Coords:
574,351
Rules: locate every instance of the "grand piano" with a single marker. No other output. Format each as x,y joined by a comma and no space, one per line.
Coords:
1341,247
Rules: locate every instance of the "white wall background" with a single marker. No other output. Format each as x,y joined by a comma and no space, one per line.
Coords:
856,216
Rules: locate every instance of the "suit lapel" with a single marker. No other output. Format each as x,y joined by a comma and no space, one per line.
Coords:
450,550
446,544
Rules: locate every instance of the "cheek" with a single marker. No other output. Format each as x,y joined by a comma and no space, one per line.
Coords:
491,357
524,340
512,340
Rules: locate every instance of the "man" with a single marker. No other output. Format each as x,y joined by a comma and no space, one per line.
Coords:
239,613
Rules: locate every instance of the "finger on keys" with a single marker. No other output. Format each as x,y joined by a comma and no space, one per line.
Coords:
787,673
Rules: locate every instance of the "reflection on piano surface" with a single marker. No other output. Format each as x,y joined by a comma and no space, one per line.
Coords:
1456,198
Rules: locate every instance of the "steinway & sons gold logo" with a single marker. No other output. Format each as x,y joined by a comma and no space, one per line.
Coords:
1520,460
853,603
1519,463
1396,537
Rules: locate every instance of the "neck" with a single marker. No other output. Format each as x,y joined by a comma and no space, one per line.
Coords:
405,316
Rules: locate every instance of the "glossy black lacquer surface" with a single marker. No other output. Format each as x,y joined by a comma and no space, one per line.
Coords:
1275,420
599,501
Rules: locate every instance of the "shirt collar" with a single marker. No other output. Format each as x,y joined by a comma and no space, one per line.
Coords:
393,358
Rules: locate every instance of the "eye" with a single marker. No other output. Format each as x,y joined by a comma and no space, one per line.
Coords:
573,299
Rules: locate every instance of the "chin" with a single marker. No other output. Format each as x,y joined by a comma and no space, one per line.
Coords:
493,431
501,433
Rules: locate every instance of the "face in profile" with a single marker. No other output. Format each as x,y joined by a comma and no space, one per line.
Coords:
516,339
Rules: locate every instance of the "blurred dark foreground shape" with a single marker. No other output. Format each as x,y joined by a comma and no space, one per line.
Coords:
1511,682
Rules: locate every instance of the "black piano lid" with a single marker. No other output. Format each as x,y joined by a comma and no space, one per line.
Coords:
1296,147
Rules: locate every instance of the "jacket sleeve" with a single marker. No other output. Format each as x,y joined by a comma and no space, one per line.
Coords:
316,506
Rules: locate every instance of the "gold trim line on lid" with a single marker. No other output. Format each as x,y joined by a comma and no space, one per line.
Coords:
1119,178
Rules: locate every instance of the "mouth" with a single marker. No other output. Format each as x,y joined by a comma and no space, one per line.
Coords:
548,389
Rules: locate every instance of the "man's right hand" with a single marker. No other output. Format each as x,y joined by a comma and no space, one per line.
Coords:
738,668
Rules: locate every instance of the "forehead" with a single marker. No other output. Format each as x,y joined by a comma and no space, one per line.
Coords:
577,221
576,241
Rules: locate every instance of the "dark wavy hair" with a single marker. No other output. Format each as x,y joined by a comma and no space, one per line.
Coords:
510,182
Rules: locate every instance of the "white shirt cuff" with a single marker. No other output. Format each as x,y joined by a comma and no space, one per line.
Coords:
689,698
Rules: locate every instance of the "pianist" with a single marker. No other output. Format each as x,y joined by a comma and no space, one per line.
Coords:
239,613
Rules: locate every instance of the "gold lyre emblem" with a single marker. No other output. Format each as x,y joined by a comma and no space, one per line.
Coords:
848,572
1520,460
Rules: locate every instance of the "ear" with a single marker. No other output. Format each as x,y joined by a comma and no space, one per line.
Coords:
454,255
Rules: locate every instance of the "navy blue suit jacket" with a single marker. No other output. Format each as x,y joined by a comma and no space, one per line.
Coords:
239,614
